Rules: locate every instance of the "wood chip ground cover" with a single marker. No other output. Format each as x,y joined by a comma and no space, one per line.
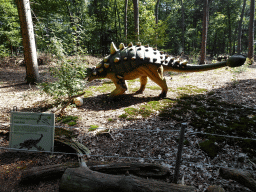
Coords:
211,102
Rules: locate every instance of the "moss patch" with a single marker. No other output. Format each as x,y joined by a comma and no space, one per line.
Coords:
93,127
154,88
70,120
145,110
88,93
190,89
106,87
210,147
133,80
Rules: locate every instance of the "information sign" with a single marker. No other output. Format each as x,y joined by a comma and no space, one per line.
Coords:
32,131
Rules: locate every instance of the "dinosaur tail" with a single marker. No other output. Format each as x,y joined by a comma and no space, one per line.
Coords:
234,61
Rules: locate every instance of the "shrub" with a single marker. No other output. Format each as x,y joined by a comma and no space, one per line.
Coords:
69,82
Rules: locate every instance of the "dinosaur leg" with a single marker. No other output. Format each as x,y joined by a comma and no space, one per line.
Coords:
156,75
143,82
121,87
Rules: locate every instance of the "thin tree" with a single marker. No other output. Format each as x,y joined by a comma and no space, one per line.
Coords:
183,27
136,19
125,20
229,27
119,35
251,30
204,33
156,15
28,41
156,11
240,29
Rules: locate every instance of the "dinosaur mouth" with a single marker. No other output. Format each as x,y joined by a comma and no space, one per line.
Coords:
89,72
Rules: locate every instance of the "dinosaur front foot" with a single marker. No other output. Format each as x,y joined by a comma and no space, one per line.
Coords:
162,95
138,92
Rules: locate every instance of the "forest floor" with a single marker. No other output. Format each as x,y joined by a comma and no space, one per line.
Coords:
231,89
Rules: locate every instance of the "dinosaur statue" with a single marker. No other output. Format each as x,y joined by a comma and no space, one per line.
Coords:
31,143
131,62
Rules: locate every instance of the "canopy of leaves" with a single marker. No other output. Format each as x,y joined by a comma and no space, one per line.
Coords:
10,37
90,26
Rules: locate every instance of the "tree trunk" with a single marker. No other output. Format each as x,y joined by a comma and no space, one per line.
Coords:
243,177
240,30
116,30
156,10
84,180
229,29
136,19
204,33
119,35
125,20
251,31
28,41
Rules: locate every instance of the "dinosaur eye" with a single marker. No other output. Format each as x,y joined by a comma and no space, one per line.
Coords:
106,65
100,70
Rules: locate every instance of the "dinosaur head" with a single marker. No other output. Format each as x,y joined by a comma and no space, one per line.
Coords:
91,74
95,73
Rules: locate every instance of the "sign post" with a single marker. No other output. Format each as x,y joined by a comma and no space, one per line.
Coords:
32,131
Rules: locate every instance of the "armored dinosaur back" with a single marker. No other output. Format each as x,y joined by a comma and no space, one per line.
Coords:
126,59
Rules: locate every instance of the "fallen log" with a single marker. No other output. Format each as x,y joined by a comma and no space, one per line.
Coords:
85,180
245,178
215,188
37,174
139,169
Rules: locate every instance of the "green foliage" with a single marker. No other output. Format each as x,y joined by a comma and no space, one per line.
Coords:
4,52
10,37
150,33
69,75
80,27
69,80
56,48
